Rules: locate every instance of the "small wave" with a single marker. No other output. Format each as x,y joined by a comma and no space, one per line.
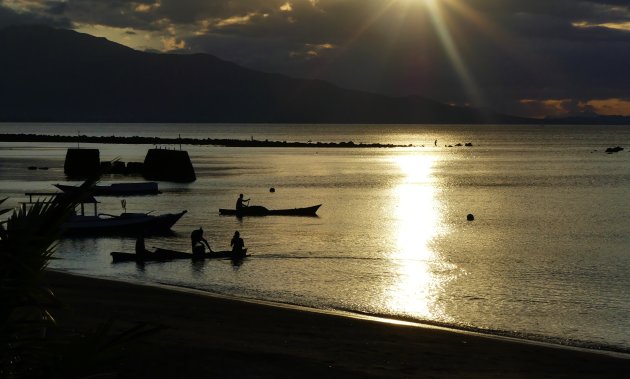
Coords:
389,318
317,257
332,257
522,336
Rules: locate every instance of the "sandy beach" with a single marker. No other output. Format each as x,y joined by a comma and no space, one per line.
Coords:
207,336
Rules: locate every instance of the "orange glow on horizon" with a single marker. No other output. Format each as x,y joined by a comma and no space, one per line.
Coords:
608,25
611,107
565,107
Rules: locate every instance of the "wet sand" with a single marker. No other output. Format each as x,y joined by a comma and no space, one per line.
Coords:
209,336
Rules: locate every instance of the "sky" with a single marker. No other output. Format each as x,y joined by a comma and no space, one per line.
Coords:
535,58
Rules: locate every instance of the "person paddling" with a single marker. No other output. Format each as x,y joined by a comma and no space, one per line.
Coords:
240,201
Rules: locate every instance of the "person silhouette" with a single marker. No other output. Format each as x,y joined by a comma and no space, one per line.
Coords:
141,250
240,201
197,242
237,243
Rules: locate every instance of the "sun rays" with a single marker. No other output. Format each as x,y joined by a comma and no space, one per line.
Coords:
438,20
439,16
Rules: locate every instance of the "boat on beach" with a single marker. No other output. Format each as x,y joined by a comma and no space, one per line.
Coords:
162,255
117,189
258,210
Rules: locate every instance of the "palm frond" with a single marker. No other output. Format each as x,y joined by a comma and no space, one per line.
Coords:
28,239
27,242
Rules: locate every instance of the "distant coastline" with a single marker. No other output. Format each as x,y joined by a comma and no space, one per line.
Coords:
136,140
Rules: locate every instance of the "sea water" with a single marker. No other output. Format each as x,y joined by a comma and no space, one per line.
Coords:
546,257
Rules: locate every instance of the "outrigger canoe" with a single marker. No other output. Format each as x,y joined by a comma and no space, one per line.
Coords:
162,255
93,223
117,189
123,224
257,210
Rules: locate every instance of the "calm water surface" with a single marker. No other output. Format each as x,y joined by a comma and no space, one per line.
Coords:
547,256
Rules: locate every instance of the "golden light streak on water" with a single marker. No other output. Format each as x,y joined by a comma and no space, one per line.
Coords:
417,222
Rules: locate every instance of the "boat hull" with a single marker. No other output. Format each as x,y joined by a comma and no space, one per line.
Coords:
117,189
164,255
125,224
257,210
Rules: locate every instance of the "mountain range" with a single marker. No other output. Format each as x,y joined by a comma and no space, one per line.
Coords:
58,75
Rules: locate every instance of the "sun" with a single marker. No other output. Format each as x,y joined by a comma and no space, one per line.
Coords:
423,2
427,2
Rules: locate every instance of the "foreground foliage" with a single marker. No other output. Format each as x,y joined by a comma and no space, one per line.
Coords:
28,239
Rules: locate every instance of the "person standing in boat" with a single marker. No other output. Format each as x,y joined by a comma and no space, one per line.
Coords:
240,201
197,242
237,243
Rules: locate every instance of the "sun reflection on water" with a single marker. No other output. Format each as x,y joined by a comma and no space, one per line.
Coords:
420,269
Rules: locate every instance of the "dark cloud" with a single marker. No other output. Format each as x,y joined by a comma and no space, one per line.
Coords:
620,3
9,16
505,50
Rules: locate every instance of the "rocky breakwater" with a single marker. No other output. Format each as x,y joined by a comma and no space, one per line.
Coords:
612,150
168,165
82,163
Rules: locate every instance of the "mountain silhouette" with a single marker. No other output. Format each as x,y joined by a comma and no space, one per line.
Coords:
57,75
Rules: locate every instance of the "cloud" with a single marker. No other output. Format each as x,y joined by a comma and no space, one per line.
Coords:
609,25
610,107
310,51
12,13
286,7
238,20
554,107
522,57
569,107
172,43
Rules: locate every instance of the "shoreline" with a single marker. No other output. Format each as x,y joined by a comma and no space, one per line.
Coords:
386,319
226,337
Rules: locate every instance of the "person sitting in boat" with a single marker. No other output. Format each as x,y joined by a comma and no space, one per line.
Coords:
141,250
237,243
197,242
240,201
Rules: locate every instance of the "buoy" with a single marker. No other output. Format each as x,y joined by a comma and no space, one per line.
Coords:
272,189
470,217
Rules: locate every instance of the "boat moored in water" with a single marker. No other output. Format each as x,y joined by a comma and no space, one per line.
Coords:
123,224
96,224
117,189
257,210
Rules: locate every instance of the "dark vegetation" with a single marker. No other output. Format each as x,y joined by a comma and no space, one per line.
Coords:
31,344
